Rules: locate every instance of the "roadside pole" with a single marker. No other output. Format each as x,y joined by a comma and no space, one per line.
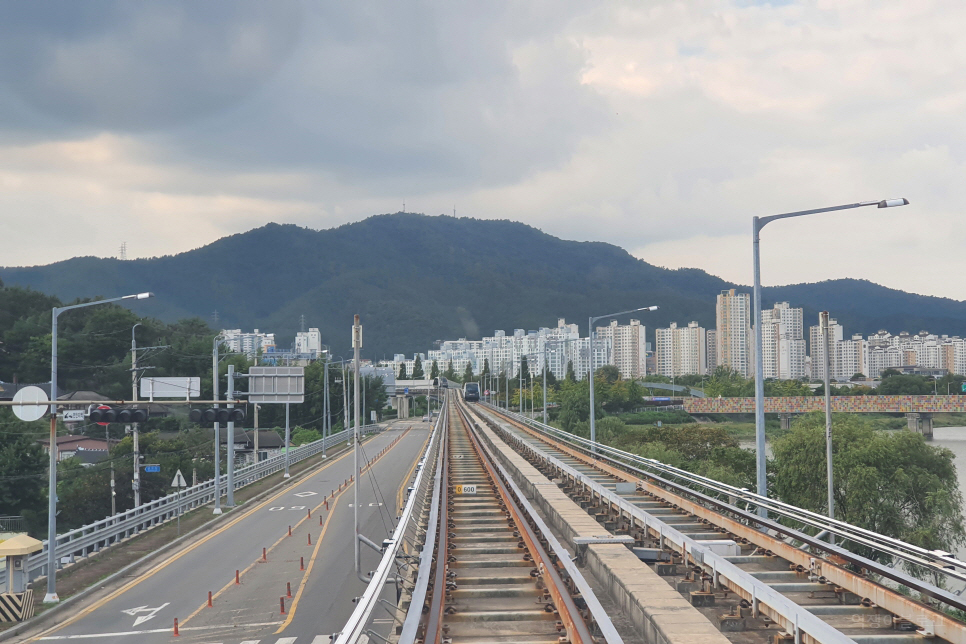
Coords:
214,385
356,348
230,447
288,441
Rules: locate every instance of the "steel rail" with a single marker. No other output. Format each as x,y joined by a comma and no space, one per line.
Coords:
355,627
597,611
94,537
577,630
410,628
937,561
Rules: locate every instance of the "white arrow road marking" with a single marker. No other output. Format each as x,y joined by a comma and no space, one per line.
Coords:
306,493
151,612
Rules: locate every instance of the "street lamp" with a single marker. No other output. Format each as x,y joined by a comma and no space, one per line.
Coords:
590,329
51,596
757,224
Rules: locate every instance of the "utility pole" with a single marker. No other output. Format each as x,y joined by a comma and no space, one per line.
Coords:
345,404
256,432
545,387
325,408
230,497
288,440
136,483
356,348
823,321
107,435
214,387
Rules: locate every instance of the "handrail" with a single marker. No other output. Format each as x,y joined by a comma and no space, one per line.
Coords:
110,530
418,597
356,626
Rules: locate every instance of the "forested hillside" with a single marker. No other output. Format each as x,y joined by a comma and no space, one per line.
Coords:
416,279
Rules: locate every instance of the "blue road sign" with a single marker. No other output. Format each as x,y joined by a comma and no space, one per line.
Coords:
152,468
406,390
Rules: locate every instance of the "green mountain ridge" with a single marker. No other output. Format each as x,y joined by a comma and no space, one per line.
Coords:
415,279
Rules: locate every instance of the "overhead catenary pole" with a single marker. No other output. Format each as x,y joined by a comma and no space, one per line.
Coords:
757,223
545,387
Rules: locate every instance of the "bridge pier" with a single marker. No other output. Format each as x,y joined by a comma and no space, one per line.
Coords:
401,403
785,420
921,423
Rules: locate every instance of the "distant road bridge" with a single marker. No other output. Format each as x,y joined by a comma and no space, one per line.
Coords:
918,409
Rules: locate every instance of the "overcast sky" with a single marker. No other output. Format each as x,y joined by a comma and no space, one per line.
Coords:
662,127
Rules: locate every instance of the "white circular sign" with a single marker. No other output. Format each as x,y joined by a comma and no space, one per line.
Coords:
30,395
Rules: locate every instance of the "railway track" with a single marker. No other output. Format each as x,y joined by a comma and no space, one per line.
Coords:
763,581
498,574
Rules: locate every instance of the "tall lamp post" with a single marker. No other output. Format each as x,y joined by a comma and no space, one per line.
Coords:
51,596
590,330
757,224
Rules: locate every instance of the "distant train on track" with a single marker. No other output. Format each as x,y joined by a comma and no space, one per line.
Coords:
471,392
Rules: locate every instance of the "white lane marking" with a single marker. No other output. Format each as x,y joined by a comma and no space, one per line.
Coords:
250,642
297,507
372,505
302,494
151,612
322,639
276,508
86,636
286,640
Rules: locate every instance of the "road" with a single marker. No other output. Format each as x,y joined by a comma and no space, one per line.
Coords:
144,608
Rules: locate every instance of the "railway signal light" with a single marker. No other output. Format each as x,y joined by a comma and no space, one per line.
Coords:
213,415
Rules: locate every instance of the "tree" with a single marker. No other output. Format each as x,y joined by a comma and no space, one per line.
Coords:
609,373
450,373
23,484
895,484
486,368
303,435
418,368
551,379
571,376
468,373
434,370
857,376
905,385
402,372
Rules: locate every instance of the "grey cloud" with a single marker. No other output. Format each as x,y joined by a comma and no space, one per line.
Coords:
127,66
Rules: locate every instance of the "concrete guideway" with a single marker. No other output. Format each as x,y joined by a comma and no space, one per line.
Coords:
144,608
856,607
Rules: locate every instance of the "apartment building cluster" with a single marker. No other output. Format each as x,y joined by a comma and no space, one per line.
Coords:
621,345
308,346
694,350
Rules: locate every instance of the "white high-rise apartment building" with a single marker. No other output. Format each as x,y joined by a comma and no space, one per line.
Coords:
733,313
629,347
251,344
712,352
309,342
681,351
783,347
817,348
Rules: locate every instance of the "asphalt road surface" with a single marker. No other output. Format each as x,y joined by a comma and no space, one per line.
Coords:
143,608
